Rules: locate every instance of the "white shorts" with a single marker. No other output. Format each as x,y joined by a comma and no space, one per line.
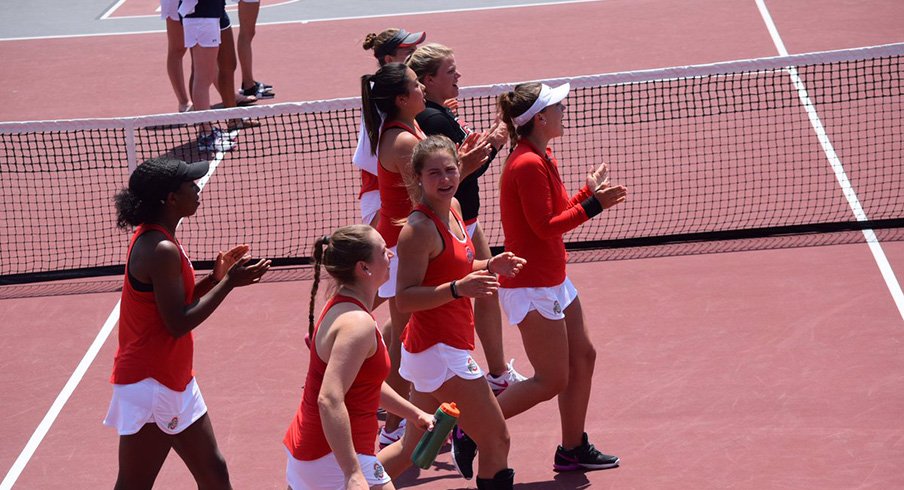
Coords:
201,31
549,302
148,401
169,9
428,370
370,206
388,289
325,473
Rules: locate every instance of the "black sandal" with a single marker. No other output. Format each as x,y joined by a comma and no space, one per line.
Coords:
259,90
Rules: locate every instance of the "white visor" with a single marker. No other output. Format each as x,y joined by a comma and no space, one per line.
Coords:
548,96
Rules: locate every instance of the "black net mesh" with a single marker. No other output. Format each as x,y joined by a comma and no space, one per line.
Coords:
727,161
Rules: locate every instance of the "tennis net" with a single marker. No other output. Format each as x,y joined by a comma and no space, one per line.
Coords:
716,157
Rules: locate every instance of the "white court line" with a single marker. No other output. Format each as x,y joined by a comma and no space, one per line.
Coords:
57,406
229,8
311,21
112,9
840,175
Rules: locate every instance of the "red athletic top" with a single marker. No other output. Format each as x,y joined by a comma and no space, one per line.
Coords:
536,211
451,323
146,347
395,204
369,182
305,438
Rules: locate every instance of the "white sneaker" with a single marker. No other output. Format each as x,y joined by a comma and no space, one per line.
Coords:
217,140
510,377
387,438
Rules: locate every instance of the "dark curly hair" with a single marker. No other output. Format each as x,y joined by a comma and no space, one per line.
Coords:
142,201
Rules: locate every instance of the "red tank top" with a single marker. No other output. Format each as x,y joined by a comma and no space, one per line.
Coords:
369,182
451,323
146,347
395,204
305,438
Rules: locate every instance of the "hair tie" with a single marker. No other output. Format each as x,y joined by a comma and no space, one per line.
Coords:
325,239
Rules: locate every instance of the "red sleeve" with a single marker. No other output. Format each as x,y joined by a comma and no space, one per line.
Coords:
536,197
582,194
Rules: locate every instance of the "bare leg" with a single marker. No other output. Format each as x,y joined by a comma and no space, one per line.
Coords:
205,72
175,39
399,384
544,342
226,64
141,455
488,317
247,29
574,399
481,418
197,446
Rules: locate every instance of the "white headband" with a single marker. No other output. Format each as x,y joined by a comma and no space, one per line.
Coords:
548,96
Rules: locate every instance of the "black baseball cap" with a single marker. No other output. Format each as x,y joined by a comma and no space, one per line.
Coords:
157,177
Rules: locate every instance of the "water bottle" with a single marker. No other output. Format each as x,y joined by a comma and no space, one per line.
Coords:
428,447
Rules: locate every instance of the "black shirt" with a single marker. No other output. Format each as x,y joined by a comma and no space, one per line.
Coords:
209,9
437,119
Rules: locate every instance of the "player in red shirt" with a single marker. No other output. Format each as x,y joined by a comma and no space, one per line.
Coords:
391,98
331,440
438,276
536,211
436,68
390,46
156,402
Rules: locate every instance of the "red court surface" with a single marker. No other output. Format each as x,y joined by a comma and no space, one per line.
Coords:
762,369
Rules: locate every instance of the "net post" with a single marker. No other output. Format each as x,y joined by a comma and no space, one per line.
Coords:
130,147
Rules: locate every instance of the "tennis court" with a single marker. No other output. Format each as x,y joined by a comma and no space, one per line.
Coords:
768,361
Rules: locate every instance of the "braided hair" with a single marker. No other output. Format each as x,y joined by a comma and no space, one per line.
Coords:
339,253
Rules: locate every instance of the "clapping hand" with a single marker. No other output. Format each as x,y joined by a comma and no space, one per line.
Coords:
473,152
244,272
506,264
598,178
477,284
225,260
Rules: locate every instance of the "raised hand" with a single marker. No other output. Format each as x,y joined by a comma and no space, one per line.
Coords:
611,195
477,284
451,104
598,178
244,272
225,260
473,152
506,264
498,133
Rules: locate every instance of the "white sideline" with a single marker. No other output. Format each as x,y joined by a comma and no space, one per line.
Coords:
57,406
894,287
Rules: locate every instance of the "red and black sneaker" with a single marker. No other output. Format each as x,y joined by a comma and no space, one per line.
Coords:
583,457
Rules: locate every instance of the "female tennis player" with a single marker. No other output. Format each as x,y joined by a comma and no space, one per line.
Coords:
438,276
331,440
390,46
156,403
392,97
536,211
435,67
